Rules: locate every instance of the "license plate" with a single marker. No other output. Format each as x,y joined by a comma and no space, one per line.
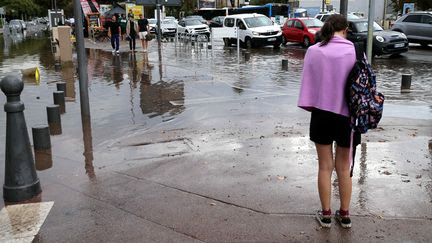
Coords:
399,45
271,39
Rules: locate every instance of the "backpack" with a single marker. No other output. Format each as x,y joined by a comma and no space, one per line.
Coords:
365,104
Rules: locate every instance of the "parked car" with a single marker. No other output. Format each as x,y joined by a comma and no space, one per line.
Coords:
200,18
193,26
171,18
15,25
323,16
168,27
217,22
384,41
152,25
301,30
254,30
417,26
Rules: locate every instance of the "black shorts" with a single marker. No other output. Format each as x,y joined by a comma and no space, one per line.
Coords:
326,127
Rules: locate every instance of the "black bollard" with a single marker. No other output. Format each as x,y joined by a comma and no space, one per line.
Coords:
209,47
54,119
61,86
57,66
406,83
247,56
59,99
21,182
42,147
284,64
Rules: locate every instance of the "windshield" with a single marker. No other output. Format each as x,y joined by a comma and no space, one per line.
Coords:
168,22
363,26
190,22
313,23
152,21
258,22
14,22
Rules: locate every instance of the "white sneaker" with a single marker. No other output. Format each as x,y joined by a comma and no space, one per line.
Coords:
117,51
113,51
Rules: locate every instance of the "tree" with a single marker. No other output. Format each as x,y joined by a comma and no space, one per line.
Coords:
20,8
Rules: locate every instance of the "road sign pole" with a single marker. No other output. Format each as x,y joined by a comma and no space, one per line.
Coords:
158,15
370,30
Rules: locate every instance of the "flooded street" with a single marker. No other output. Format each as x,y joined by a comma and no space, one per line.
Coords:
187,134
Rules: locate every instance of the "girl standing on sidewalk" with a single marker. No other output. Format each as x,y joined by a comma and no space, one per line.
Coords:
325,72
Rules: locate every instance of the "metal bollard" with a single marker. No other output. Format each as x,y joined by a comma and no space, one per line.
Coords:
42,147
21,182
406,83
54,119
247,56
59,99
284,64
61,86
57,66
209,47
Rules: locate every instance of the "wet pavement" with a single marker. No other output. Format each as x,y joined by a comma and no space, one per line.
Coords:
192,144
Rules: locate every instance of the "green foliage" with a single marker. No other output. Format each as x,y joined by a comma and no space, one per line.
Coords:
18,8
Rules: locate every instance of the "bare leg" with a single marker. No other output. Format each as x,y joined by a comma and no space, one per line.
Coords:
145,45
325,160
343,173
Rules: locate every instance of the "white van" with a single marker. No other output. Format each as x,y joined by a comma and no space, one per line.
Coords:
254,30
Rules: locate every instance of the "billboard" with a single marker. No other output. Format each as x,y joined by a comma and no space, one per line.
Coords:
134,10
408,8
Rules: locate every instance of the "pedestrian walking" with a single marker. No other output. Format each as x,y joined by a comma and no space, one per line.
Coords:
114,33
123,22
143,25
325,72
131,32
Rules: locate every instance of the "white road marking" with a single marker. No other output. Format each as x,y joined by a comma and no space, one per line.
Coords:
22,222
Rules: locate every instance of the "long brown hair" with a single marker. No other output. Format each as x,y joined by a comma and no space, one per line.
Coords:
334,23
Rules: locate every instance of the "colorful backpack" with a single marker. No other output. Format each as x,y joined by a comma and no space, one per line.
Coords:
365,104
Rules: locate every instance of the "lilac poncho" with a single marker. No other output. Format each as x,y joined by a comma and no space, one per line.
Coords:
325,72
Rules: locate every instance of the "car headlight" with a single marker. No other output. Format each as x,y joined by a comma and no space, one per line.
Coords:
402,35
255,33
379,38
313,32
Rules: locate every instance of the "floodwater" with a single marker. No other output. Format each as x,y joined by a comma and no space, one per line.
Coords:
182,99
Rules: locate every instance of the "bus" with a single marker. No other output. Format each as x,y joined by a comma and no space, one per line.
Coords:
270,10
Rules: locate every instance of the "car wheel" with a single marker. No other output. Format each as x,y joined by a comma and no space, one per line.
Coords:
284,41
226,42
249,43
306,42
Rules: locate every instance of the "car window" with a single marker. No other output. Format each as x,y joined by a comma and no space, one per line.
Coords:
313,23
426,19
352,27
289,23
297,24
318,16
413,19
258,21
229,22
240,24
324,17
192,21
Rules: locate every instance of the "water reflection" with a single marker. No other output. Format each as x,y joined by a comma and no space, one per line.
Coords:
88,147
68,76
362,178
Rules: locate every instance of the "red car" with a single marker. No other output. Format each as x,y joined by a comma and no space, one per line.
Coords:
301,30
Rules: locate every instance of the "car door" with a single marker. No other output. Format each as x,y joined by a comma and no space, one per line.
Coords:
412,25
242,29
298,31
426,26
287,29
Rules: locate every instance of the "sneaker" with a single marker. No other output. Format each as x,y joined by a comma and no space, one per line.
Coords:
344,221
113,51
323,220
117,51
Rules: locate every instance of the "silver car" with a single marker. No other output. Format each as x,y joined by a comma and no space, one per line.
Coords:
417,26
